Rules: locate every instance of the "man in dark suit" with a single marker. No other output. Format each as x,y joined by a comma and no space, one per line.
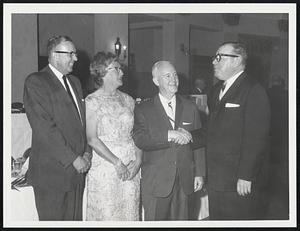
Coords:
171,171
236,138
59,153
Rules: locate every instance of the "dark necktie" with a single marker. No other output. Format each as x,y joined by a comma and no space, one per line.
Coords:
221,91
69,92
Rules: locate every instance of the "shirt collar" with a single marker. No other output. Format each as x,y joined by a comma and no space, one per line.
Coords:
56,72
164,100
231,80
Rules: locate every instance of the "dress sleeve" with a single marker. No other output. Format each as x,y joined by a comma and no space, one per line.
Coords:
91,103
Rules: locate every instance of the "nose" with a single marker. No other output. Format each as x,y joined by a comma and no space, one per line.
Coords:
74,57
214,61
121,72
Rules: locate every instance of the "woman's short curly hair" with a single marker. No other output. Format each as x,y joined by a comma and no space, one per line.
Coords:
99,64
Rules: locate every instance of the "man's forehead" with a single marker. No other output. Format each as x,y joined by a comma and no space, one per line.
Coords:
166,68
66,44
225,48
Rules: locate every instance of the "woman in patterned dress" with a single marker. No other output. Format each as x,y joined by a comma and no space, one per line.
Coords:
113,182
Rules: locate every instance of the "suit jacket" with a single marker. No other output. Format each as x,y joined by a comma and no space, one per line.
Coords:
161,158
58,135
237,136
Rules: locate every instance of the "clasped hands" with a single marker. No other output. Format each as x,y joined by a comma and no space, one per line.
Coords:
127,172
180,136
83,163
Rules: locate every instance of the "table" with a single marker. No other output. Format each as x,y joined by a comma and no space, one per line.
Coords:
21,134
22,201
23,204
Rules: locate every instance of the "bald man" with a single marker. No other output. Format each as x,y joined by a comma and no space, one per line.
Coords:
171,171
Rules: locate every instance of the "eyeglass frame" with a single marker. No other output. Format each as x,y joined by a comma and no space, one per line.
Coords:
218,56
71,53
118,69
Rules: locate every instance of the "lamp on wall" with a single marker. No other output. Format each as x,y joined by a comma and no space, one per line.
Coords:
118,46
184,49
118,49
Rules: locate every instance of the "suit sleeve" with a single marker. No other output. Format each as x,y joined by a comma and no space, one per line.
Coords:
256,133
39,111
199,153
144,138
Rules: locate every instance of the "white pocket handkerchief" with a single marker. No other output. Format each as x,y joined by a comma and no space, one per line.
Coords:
82,100
231,105
185,123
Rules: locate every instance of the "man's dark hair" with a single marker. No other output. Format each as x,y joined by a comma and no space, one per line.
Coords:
54,41
239,49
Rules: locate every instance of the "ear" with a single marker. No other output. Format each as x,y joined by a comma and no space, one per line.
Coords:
155,81
238,61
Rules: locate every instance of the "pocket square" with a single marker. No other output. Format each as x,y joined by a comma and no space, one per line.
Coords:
185,123
82,100
231,105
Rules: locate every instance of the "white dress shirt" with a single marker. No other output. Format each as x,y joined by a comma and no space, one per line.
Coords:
60,78
228,84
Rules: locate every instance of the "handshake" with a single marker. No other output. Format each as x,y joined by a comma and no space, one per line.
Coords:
180,136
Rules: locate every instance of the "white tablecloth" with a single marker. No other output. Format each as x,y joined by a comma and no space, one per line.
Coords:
23,205
21,134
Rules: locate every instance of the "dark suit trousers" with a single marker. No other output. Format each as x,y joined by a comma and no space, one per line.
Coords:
59,205
232,206
172,207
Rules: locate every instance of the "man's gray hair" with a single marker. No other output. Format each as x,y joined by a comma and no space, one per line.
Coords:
156,66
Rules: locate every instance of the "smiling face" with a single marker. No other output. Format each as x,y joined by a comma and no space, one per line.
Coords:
114,75
165,77
64,61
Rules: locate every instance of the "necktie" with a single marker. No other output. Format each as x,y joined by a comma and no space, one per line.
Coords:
222,90
69,92
171,117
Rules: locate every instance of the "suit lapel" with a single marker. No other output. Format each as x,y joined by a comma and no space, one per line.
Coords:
220,104
64,94
78,99
161,111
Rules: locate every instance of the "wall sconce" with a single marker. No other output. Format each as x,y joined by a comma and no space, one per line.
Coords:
118,49
185,50
118,46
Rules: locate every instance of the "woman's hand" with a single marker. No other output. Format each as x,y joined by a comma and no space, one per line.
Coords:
134,167
122,171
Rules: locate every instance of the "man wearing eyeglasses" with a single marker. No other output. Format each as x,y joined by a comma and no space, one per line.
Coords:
236,138
59,153
171,170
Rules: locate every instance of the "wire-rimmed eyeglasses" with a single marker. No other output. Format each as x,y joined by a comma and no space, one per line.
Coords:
71,53
118,69
218,56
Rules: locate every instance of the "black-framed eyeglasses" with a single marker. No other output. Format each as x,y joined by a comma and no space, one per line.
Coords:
71,53
218,56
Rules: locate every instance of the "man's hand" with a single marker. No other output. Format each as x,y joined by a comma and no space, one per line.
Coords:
179,137
243,187
80,164
198,183
88,158
187,133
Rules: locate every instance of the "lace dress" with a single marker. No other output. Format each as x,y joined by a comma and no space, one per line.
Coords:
108,197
